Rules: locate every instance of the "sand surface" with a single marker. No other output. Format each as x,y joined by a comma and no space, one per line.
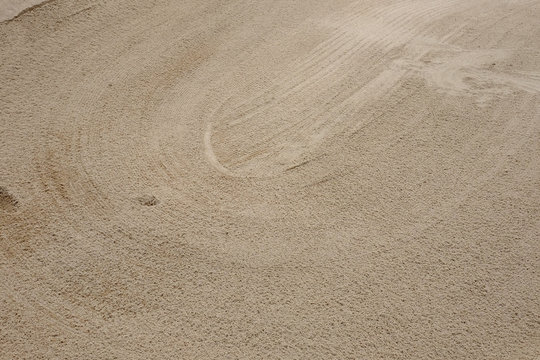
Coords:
11,8
234,179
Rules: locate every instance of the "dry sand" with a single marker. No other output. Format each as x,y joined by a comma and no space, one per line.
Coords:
270,179
11,8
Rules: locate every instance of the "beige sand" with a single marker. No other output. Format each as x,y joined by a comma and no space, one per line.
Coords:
270,180
12,8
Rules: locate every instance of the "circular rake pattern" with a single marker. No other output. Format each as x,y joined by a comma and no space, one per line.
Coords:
242,179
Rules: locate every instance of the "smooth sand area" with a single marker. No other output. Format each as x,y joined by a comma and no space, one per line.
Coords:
11,8
236,179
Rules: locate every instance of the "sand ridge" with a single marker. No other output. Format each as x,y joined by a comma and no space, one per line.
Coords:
10,9
277,180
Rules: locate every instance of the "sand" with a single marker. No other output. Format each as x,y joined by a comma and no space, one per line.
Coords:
10,9
241,179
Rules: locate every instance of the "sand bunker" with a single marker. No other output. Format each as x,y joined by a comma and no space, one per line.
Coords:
270,179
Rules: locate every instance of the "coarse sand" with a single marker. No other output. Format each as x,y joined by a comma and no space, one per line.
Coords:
240,179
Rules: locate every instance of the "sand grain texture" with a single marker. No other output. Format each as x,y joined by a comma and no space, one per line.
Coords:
270,180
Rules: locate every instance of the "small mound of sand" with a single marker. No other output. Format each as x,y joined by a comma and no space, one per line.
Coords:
148,200
7,201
